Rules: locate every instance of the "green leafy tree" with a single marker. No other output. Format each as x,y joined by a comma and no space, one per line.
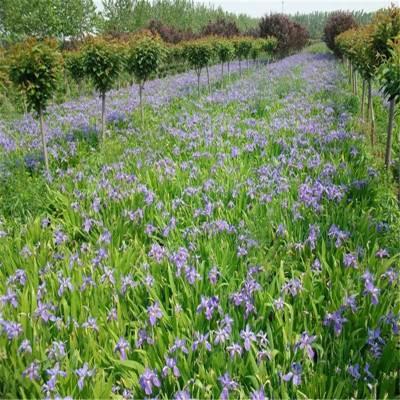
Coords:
35,68
256,49
198,54
389,77
44,18
144,58
242,47
269,46
225,52
75,66
119,15
102,64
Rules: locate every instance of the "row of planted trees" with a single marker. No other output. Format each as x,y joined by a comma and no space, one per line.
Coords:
372,51
35,67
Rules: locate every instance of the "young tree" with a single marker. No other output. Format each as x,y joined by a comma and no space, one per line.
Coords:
255,50
35,68
269,46
242,47
74,65
225,52
145,56
102,64
386,29
199,54
389,77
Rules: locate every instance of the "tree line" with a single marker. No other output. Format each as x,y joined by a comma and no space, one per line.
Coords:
35,67
77,18
371,52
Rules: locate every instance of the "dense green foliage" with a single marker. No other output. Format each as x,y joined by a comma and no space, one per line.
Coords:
34,68
131,15
372,51
102,64
389,73
43,18
74,63
144,58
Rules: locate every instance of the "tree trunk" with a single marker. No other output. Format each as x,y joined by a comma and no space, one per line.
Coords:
208,80
44,144
229,71
369,101
141,86
388,153
240,68
222,71
373,139
103,116
355,82
350,73
363,99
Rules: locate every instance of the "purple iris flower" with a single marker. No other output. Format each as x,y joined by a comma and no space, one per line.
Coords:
305,343
155,313
294,375
148,380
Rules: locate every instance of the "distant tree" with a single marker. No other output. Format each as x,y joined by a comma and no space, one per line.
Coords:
34,69
43,18
337,23
290,35
220,27
170,34
119,15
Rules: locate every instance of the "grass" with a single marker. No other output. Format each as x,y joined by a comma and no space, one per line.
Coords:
233,182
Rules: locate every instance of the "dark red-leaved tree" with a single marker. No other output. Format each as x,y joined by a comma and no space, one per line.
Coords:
291,35
337,23
221,27
168,33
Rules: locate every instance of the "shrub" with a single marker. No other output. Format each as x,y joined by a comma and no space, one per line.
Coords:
102,64
34,69
337,23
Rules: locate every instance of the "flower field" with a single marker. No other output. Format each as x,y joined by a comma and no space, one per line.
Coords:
243,245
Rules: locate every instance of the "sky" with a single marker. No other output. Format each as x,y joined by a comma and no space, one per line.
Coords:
257,8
